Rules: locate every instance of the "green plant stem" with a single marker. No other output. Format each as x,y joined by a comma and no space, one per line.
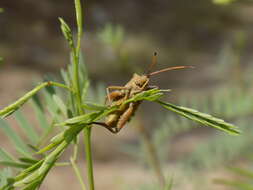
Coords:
73,161
17,104
87,142
46,134
76,55
78,174
152,153
78,95
79,19
59,85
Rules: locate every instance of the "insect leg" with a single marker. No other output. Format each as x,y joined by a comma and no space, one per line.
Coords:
152,87
144,85
125,116
112,96
113,88
102,124
122,97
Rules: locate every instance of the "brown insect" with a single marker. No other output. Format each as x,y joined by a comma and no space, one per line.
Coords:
115,121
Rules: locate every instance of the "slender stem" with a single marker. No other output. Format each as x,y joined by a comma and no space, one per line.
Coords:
87,142
78,173
14,106
79,19
60,164
152,153
46,134
75,152
60,85
76,54
76,58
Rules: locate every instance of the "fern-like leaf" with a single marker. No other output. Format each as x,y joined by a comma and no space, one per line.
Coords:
202,118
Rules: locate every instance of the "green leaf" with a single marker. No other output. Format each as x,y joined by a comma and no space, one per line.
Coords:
16,140
66,32
28,160
86,118
202,118
79,17
28,179
33,185
5,156
51,105
39,112
56,140
16,105
14,164
1,59
222,2
28,129
242,172
5,174
149,95
234,184
112,35
29,170
92,106
169,184
62,107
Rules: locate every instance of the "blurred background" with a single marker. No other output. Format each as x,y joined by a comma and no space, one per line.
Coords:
119,40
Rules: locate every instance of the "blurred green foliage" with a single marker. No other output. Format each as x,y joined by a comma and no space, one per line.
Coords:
242,180
112,35
1,59
223,2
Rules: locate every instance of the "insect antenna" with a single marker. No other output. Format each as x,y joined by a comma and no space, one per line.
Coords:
154,62
168,69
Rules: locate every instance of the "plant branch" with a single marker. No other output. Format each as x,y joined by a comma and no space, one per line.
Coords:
76,59
78,174
17,104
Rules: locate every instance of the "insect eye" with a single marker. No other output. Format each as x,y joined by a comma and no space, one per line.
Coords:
138,84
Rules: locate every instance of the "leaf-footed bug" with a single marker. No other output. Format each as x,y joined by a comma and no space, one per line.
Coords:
116,120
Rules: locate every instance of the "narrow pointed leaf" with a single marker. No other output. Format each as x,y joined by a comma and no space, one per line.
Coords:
87,118
16,105
25,125
149,95
62,107
5,156
92,106
67,32
39,112
242,172
5,174
33,185
235,184
202,118
14,164
51,105
28,160
15,139
49,147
